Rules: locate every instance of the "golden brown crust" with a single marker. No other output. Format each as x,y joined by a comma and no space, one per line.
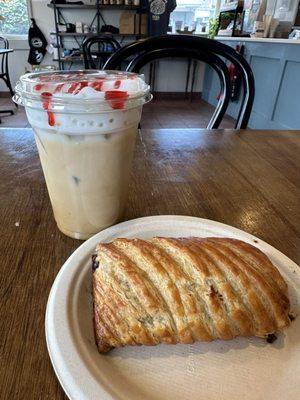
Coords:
182,290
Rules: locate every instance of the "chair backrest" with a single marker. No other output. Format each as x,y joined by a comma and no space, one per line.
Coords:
101,47
207,50
4,44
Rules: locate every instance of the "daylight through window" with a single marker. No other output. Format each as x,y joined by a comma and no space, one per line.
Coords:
193,14
14,17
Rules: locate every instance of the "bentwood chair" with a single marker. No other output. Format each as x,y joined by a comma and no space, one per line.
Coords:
208,51
97,50
4,72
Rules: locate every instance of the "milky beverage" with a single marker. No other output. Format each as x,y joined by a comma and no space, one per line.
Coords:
85,125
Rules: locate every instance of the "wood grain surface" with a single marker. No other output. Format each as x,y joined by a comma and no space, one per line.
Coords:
248,179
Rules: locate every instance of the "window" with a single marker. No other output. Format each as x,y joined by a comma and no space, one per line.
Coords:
14,17
193,14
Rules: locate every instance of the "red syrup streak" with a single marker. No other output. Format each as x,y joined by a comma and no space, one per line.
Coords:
72,87
97,85
80,86
51,118
58,88
46,96
114,96
75,87
117,84
38,86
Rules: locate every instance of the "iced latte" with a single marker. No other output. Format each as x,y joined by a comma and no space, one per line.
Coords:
85,124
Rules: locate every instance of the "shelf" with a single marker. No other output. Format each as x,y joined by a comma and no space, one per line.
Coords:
75,59
86,6
90,34
81,59
98,8
94,6
73,34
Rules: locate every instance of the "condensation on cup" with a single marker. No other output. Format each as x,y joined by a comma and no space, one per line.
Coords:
85,125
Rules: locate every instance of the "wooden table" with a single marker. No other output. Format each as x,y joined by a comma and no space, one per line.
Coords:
248,179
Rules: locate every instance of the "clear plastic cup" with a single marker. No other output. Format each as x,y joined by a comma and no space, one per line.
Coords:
85,125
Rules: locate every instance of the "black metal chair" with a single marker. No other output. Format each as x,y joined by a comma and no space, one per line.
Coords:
207,50
98,48
4,73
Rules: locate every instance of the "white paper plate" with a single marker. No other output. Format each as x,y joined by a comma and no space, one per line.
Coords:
243,368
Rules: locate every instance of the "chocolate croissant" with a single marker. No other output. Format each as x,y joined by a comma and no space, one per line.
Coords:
183,290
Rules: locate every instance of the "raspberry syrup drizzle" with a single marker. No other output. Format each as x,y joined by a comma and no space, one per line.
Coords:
80,86
46,98
38,86
117,97
72,87
58,88
117,84
97,85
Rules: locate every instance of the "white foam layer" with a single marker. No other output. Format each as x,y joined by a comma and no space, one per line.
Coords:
85,123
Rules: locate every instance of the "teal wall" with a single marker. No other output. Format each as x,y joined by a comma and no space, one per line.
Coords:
276,69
